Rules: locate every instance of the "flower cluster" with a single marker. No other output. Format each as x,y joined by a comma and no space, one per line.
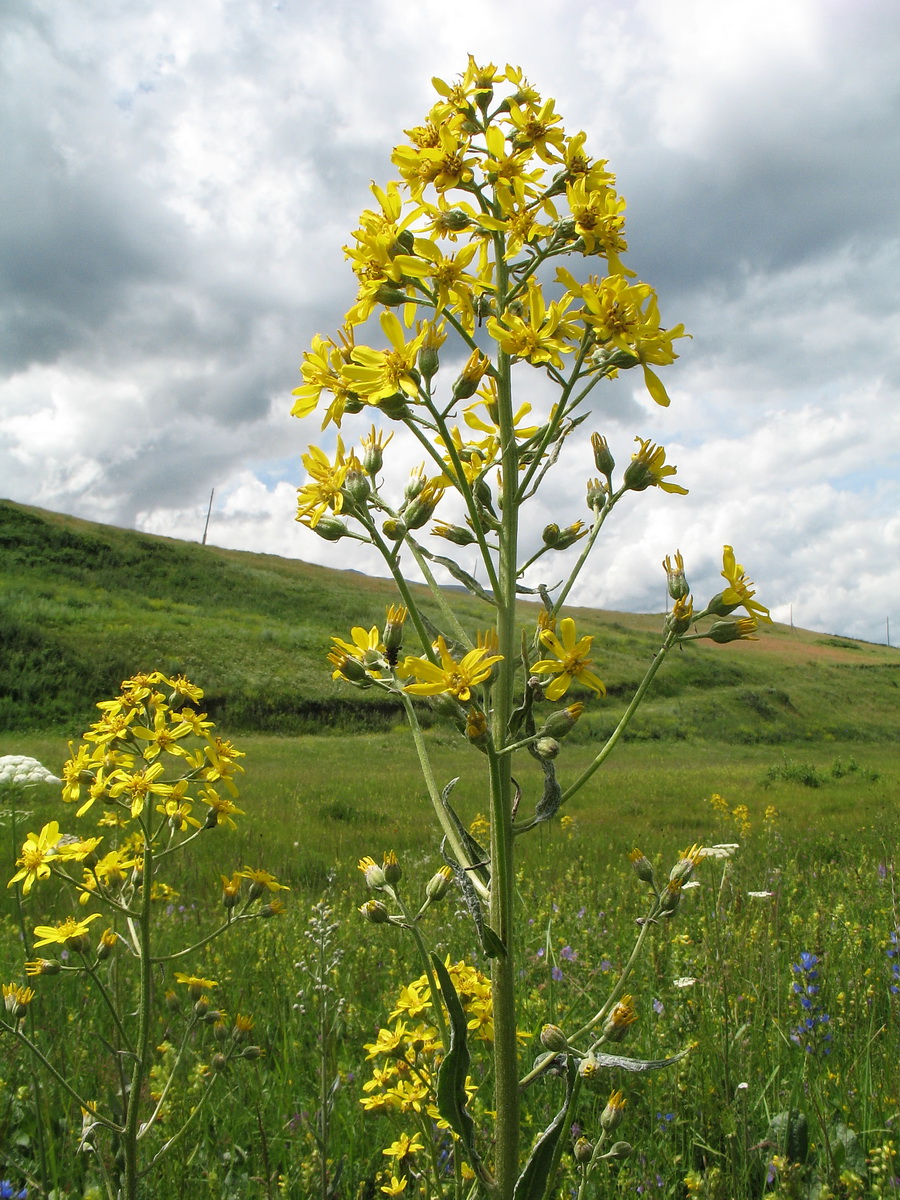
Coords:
813,1032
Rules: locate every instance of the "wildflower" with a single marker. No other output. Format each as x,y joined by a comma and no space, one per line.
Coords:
648,469
450,678
614,1111
573,661
260,880
622,1016
43,966
70,933
894,955
24,771
396,1187
675,580
739,592
36,852
194,983
16,999
684,981
812,1033
404,1147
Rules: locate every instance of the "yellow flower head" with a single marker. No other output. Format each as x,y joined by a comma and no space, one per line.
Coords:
451,678
571,661
739,591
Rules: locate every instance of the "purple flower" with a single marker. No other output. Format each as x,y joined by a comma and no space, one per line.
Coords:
811,1033
568,954
556,974
658,1007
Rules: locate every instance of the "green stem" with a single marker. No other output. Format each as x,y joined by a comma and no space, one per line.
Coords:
429,972
49,1067
599,518
145,1002
623,723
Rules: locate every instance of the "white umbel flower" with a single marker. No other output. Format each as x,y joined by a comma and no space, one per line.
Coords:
25,771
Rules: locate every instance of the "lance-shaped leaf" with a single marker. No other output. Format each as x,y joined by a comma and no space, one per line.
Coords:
454,1070
468,581
490,942
532,1183
633,1064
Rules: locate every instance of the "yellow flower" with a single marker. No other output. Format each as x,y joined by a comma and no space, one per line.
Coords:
37,851
195,984
573,661
138,784
648,468
162,736
69,933
324,492
543,337
404,1147
738,592
396,1187
452,678
378,374
260,879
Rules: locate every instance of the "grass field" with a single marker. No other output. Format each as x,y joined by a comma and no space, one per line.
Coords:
789,747
314,805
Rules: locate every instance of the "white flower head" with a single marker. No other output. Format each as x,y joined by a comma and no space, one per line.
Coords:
722,850
25,771
761,895
684,981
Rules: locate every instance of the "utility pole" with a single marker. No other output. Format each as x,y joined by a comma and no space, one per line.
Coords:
887,621
208,511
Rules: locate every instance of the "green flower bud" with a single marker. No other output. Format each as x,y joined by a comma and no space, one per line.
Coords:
374,911
551,535
614,1112
395,406
390,296
732,631
393,872
603,459
453,533
439,884
356,487
547,748
252,1052
675,580
562,722
332,529
201,1006
553,1038
596,494
584,1151
620,1150
642,866
218,1062
393,530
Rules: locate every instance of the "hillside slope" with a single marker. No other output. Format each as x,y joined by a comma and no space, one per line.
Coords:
83,605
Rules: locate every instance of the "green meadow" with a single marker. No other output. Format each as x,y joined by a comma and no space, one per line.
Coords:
797,735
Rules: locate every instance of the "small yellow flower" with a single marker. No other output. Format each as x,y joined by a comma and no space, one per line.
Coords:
404,1147
739,593
573,661
70,933
451,678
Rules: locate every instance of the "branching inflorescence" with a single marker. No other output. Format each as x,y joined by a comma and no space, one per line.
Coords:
459,265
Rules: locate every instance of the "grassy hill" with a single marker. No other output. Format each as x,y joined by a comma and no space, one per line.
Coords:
83,605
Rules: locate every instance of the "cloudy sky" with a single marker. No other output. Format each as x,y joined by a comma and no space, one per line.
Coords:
178,181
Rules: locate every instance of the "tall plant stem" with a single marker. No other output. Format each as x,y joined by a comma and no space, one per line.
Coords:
503,975
139,1072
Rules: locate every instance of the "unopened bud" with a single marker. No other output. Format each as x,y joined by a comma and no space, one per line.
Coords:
732,631
218,1062
201,1006
547,748
374,911
393,633
421,509
439,884
356,486
551,535
603,459
596,494
614,1112
476,727
619,1020
395,407
252,1052
553,1038
393,872
584,1151
620,1150
561,722
331,529
390,296
453,533
642,866
675,580
393,530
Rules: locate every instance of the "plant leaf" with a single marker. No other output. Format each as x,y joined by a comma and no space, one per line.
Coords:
532,1183
454,1070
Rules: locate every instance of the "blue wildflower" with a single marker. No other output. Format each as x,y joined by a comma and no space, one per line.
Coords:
556,974
8,1191
812,1033
894,955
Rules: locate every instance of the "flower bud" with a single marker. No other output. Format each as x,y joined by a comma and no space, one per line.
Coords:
218,1062
614,1112
439,884
638,476
331,529
620,1150
108,941
374,911
571,534
471,375
596,494
553,1038
416,483
356,486
252,1052
670,898
395,407
173,1003
405,242
642,866
393,530
373,451
547,748
43,966
584,1151
221,1031
603,459
349,668
675,580
681,617
476,727
393,633
393,872
453,533
201,1006
562,722
421,509
213,1015
372,872
551,535
733,631
390,296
